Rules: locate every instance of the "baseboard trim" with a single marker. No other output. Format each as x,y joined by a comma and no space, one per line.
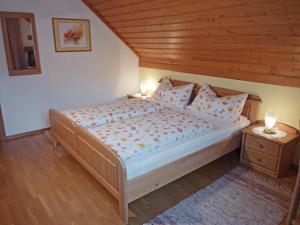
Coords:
29,133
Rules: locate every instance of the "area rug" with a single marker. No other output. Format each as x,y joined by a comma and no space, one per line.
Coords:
240,197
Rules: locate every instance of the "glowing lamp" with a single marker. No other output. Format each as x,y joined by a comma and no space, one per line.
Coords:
143,88
270,121
147,88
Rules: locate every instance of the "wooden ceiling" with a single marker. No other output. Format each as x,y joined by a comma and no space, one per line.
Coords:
254,40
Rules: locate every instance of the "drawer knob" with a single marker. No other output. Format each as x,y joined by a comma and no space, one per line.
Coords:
260,145
259,159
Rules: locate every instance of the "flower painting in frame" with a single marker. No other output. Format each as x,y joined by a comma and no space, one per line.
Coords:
71,35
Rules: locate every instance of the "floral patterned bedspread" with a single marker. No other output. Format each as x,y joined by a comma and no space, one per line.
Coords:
147,134
111,112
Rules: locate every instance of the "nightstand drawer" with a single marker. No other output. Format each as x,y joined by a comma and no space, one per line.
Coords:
259,159
262,145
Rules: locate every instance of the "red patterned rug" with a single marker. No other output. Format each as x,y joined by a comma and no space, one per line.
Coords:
240,197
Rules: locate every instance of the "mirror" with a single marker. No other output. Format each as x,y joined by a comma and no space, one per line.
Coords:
19,35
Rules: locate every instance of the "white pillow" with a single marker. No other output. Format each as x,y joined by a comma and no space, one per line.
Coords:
177,96
164,84
227,108
204,92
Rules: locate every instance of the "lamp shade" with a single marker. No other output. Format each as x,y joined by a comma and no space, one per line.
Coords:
270,119
143,88
149,86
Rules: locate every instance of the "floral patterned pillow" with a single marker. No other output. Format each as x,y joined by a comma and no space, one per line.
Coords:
227,108
177,96
205,92
164,84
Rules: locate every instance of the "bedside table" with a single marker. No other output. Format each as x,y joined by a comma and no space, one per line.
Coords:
270,156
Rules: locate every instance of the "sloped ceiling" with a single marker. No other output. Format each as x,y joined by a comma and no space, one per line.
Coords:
254,40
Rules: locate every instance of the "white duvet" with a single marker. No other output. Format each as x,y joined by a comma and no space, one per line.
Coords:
150,134
111,112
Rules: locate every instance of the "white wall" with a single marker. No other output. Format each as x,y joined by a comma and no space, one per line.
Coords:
67,79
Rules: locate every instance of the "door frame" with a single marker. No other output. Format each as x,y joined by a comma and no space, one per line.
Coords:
2,128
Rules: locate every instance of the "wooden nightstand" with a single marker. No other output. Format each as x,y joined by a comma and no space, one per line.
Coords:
270,156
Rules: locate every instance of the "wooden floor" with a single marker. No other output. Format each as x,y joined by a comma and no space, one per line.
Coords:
39,186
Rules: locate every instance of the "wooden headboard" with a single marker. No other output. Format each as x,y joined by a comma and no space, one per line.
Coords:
251,106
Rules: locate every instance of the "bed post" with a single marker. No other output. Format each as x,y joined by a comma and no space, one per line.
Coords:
123,194
52,121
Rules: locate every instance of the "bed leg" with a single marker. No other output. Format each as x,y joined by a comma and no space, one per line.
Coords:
123,195
123,212
54,143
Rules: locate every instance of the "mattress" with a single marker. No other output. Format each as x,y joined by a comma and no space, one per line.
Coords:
142,164
148,135
118,110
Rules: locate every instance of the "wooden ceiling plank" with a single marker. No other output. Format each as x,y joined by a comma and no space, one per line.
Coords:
231,74
275,40
95,1
179,9
195,15
107,5
254,68
117,14
141,6
258,57
292,6
173,10
292,57
227,59
288,48
221,31
222,21
220,66
225,22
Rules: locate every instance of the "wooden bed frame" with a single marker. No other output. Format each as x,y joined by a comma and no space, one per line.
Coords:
109,169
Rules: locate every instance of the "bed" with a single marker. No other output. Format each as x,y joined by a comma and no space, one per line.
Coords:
122,178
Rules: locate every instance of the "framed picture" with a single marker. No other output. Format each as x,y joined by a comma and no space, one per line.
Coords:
71,35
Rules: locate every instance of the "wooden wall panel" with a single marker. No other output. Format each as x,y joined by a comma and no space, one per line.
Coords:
253,40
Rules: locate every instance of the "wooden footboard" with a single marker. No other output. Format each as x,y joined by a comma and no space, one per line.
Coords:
94,155
63,130
106,166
